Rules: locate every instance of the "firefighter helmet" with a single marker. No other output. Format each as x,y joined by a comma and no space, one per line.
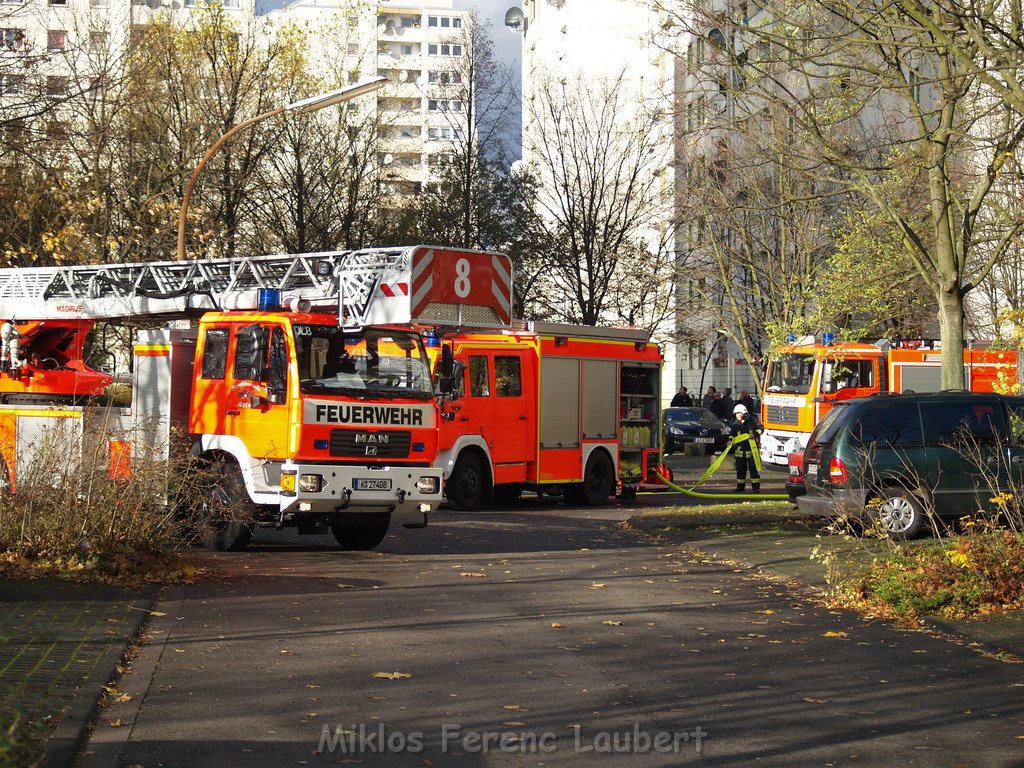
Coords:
740,408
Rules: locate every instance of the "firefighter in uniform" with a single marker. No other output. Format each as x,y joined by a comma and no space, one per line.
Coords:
745,423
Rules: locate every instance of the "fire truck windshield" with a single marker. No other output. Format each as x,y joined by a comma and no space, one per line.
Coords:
376,363
791,373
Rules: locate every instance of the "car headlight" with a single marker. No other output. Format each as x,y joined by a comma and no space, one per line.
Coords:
311,483
675,431
427,485
726,431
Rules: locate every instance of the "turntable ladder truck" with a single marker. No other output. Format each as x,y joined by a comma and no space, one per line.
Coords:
301,384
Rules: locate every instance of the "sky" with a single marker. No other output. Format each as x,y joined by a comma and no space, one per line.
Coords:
506,43
507,47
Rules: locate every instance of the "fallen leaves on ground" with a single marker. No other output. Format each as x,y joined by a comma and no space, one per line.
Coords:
391,675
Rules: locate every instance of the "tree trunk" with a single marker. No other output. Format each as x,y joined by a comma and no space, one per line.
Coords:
951,331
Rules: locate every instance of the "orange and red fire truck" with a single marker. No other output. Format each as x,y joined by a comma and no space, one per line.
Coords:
545,406
804,379
305,388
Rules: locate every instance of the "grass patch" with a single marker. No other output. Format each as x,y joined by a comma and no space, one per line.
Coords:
728,513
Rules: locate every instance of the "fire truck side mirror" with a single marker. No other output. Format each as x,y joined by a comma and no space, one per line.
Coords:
447,365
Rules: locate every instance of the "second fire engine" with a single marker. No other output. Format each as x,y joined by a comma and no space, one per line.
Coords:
804,379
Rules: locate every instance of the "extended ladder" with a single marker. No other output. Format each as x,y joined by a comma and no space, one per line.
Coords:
179,288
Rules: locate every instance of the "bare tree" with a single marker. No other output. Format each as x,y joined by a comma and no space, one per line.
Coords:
873,92
603,200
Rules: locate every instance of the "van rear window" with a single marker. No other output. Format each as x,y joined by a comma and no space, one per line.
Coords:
895,425
830,424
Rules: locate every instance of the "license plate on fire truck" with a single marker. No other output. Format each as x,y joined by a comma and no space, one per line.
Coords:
371,484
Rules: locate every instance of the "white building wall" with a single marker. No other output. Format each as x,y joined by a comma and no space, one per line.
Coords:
72,38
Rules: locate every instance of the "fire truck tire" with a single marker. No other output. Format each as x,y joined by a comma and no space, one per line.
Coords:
362,537
466,487
598,482
226,515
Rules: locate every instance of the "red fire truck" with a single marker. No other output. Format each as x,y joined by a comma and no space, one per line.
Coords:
546,406
804,379
305,386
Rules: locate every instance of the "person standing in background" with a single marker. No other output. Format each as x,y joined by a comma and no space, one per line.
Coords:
681,399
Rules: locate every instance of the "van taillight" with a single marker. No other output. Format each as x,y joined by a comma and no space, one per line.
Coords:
837,471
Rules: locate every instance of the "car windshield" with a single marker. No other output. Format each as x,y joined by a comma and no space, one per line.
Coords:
372,364
791,373
690,414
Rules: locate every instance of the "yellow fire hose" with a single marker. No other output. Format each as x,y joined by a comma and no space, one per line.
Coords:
715,465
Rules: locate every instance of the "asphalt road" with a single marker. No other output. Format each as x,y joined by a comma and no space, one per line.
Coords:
547,636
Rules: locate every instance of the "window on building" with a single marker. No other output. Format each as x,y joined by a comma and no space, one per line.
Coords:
446,78
136,36
353,76
445,22
56,39
407,50
56,86
432,21
11,84
97,41
353,21
231,3
353,49
456,50
432,49
12,39
58,2
457,23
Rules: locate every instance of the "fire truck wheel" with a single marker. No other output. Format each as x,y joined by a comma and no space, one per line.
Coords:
362,537
225,516
466,486
598,482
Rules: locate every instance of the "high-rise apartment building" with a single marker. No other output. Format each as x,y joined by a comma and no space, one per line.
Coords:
46,44
422,49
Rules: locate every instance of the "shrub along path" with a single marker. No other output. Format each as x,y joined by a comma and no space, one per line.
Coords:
60,643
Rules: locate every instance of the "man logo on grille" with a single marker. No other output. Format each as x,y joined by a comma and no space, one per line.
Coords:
371,450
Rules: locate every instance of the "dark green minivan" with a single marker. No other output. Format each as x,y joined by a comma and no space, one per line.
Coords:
902,458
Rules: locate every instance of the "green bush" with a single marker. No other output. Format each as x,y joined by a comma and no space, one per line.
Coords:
959,577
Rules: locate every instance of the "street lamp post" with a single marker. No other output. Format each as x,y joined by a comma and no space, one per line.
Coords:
312,104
